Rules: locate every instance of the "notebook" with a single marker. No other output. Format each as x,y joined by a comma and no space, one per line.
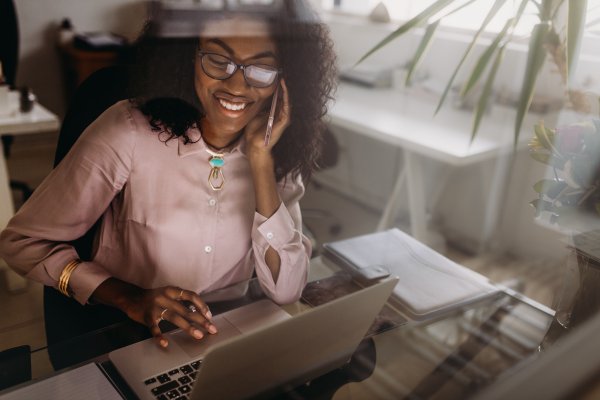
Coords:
429,284
258,349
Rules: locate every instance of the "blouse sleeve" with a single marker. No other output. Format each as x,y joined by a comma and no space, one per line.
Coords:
69,201
283,232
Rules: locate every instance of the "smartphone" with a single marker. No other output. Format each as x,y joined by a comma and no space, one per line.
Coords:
371,273
271,119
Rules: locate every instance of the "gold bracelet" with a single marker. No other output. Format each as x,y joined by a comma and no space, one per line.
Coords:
63,281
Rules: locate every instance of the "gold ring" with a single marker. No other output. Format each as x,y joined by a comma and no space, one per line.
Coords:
162,315
180,295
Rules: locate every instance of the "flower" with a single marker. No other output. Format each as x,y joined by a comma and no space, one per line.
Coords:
573,153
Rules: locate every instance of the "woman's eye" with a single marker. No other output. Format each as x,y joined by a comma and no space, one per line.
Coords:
219,62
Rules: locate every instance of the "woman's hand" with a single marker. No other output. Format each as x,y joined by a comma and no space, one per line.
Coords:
255,130
152,306
165,303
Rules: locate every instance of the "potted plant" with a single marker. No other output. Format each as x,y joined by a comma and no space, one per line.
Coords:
571,198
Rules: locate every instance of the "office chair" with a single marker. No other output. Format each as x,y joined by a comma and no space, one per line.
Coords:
15,366
9,55
9,40
64,317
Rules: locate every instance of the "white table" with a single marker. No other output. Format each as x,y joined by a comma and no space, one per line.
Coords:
407,122
39,119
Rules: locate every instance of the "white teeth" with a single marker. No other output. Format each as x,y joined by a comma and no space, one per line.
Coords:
232,106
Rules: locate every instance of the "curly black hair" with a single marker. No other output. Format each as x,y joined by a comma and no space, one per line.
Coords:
162,84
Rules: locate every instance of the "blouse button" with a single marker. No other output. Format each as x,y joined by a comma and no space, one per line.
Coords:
212,202
207,249
270,235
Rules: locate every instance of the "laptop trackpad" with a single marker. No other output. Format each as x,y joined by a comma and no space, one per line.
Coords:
197,348
232,323
256,315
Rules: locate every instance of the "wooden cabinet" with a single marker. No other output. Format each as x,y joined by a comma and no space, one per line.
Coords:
78,64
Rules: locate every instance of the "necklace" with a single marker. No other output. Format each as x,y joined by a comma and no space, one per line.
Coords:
216,179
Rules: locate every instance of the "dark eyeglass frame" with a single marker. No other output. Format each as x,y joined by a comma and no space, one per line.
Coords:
237,66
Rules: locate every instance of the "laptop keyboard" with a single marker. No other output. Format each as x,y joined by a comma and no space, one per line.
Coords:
175,384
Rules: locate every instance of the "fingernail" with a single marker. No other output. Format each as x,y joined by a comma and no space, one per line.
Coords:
212,329
164,343
197,334
208,314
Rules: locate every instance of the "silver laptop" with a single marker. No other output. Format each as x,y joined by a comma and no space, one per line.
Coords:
259,348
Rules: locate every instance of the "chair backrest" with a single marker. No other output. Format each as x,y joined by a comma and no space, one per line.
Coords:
9,40
98,92
64,317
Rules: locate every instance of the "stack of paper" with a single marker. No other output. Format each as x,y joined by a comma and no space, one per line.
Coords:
430,284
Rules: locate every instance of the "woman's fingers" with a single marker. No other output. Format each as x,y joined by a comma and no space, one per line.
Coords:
156,332
170,307
198,312
183,323
183,308
284,114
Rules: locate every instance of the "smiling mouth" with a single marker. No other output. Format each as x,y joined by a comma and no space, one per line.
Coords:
232,106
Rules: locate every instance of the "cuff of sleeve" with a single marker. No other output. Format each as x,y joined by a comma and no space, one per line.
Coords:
275,231
85,279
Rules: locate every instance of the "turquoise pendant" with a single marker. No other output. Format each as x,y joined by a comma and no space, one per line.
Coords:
216,161
216,180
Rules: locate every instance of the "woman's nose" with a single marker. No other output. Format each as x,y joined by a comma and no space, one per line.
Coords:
237,80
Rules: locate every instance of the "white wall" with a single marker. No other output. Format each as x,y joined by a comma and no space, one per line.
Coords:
39,64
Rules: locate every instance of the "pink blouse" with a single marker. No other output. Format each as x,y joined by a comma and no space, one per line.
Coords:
162,224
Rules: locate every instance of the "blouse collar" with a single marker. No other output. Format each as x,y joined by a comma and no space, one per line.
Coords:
198,145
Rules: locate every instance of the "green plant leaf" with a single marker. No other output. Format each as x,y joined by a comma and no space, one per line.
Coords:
426,41
575,28
485,58
542,157
490,15
535,61
487,91
582,170
550,134
542,205
542,136
535,203
539,185
549,187
415,21
423,46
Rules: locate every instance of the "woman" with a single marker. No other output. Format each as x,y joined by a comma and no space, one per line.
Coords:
191,195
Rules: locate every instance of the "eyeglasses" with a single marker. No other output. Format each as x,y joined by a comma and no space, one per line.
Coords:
220,67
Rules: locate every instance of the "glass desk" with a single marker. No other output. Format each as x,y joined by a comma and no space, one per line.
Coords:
451,357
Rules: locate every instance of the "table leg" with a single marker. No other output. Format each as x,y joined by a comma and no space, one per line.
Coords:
416,197
410,178
391,207
7,209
